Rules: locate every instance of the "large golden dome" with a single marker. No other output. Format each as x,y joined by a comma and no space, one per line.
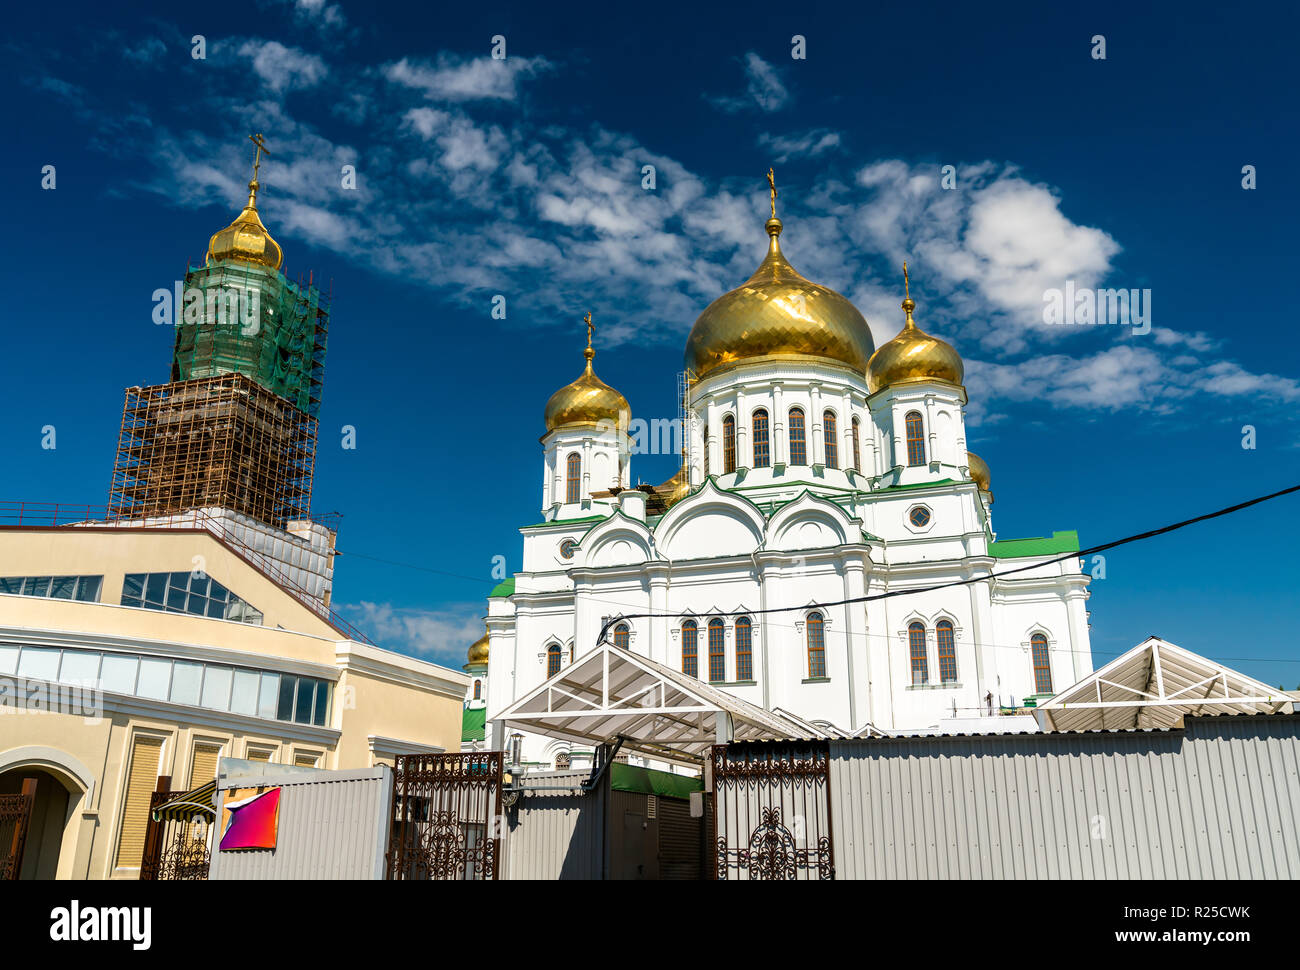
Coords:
478,652
778,313
913,355
588,401
246,239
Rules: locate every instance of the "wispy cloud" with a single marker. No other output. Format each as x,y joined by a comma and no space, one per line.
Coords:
808,144
440,635
764,89
466,79
283,68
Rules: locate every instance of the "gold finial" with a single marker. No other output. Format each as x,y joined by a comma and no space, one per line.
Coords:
257,162
773,225
771,184
589,352
908,303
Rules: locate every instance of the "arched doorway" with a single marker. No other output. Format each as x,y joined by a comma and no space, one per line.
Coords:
51,812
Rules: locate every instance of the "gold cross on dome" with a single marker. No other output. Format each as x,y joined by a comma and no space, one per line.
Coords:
771,184
907,287
261,147
590,327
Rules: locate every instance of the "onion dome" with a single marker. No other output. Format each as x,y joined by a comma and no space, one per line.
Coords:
246,239
676,488
979,470
588,401
778,313
478,651
913,355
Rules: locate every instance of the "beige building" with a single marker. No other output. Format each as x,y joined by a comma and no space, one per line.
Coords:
179,690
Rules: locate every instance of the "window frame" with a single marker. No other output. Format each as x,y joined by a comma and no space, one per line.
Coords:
744,628
691,636
554,659
762,437
1039,641
830,440
856,425
728,444
572,478
623,636
914,437
799,443
815,630
947,651
918,661
717,643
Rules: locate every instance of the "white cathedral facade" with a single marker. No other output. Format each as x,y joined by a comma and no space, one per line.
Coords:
817,469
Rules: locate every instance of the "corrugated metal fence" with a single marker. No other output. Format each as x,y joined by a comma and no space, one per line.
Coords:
554,830
333,825
1217,800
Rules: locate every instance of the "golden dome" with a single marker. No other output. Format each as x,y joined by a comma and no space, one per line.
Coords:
588,400
778,313
979,470
246,239
913,356
680,485
478,651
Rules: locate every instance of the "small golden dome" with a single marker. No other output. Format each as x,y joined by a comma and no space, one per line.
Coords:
913,355
778,313
678,487
246,239
979,470
478,651
587,401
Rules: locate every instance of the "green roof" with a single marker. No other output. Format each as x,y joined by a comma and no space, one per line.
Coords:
1058,545
648,781
566,522
905,488
472,724
504,588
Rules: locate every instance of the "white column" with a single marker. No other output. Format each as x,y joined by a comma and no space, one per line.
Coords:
817,453
743,458
777,425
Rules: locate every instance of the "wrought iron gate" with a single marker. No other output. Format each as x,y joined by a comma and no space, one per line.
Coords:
178,838
446,816
15,819
771,811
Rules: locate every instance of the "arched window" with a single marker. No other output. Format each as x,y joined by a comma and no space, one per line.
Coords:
573,478
728,444
1042,664
706,451
816,646
832,445
562,761
552,660
744,649
915,438
857,446
717,652
947,652
690,663
920,656
622,636
798,448
762,453
478,690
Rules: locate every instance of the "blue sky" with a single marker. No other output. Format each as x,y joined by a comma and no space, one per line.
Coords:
522,177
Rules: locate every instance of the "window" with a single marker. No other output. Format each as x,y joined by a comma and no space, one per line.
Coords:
690,664
920,656
762,453
919,516
717,652
84,588
744,649
567,547
832,446
857,446
1042,664
915,438
798,447
622,636
195,593
478,690
816,646
203,764
573,478
728,444
706,451
552,660
947,652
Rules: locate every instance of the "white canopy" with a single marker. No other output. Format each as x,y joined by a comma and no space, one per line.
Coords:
612,692
1155,685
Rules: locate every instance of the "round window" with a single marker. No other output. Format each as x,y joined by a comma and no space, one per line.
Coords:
919,517
567,547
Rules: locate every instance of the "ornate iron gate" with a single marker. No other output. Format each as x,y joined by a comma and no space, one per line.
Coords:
178,838
446,816
771,811
15,819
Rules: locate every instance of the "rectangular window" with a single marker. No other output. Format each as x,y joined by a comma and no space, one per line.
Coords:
305,759
306,696
185,593
141,781
268,697
118,673
79,667
744,649
258,754
243,692
155,678
216,688
40,663
53,587
203,764
762,454
798,445
187,682
63,587
322,709
284,710
8,659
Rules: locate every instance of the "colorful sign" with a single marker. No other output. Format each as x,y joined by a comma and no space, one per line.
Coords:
252,822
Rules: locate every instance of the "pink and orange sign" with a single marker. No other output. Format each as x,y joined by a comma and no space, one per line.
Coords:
252,822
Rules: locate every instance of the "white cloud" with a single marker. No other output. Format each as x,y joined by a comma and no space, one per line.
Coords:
808,144
764,88
283,68
466,79
442,635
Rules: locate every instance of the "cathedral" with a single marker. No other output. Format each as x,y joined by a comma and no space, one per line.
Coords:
826,550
